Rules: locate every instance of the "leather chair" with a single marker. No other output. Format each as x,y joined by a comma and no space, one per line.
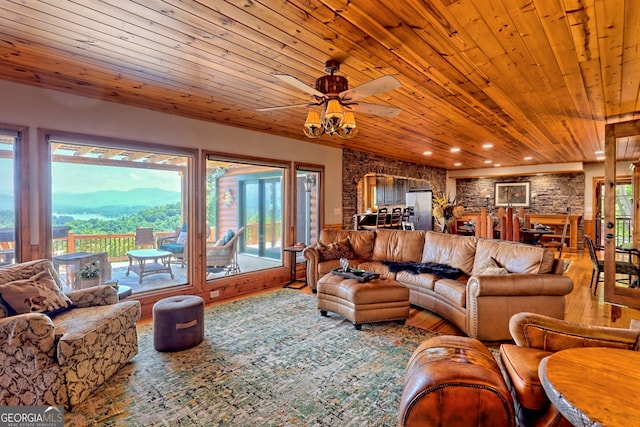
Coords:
536,337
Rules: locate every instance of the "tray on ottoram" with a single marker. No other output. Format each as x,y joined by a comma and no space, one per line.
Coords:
357,274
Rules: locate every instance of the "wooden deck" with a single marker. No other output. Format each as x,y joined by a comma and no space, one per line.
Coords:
164,280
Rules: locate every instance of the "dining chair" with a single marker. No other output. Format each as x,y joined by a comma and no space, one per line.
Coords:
381,219
558,245
396,218
622,267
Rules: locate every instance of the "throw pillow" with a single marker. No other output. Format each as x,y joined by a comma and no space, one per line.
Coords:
228,236
37,294
335,250
182,238
489,267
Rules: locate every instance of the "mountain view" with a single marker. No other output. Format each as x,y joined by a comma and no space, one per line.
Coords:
110,202
110,211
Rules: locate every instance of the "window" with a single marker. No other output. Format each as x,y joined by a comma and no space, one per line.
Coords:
123,205
8,229
244,211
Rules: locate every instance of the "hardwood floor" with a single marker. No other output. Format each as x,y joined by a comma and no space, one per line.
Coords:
581,305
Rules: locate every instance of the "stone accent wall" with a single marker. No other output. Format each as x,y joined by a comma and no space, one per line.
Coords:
356,164
550,194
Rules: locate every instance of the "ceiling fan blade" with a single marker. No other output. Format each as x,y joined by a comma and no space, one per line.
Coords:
375,109
281,107
381,84
300,85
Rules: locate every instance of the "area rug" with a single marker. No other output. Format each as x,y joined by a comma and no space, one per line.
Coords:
267,360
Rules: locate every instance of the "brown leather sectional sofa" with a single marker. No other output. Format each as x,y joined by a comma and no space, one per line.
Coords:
481,305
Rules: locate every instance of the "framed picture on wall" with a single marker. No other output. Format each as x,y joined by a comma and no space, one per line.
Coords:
513,194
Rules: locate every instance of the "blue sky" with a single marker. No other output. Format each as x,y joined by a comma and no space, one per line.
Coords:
6,176
75,178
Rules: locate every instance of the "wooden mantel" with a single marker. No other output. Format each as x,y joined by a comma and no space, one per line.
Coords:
556,222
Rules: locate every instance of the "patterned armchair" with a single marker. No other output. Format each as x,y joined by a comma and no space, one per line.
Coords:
59,359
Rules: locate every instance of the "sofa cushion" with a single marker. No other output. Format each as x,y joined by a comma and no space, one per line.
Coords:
398,245
377,267
335,250
489,267
361,241
451,249
37,294
515,257
452,290
424,280
521,364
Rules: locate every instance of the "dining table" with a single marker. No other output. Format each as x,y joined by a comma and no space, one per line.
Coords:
633,249
532,236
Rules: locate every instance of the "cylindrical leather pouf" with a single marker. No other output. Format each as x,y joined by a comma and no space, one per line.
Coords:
455,381
178,323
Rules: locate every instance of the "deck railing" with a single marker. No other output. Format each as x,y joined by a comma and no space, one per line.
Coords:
117,245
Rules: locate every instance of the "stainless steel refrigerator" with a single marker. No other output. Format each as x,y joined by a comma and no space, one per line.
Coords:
422,203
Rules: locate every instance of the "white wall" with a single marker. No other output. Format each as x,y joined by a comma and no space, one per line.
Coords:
40,108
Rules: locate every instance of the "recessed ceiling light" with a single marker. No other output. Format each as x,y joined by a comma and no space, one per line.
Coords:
497,165
600,158
528,158
599,152
487,145
488,161
457,164
427,153
455,150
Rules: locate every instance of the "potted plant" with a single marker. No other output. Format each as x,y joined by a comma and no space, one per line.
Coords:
89,274
446,211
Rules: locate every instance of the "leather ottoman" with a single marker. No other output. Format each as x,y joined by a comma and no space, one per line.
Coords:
178,323
455,381
377,300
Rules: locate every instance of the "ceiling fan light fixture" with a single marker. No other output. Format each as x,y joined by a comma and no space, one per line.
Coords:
313,119
348,128
313,126
333,110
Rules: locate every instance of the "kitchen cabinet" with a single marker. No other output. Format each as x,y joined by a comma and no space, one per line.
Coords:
390,190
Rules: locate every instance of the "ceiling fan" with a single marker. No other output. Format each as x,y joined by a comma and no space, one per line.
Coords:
332,93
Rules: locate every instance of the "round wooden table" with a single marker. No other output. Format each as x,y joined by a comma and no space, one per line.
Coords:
594,386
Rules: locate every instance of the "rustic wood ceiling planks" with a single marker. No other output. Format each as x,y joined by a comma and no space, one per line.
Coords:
535,78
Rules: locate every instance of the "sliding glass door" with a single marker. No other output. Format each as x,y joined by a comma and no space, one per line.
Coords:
8,232
262,214
243,199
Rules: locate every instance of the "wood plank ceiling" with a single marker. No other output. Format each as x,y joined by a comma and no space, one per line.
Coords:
536,79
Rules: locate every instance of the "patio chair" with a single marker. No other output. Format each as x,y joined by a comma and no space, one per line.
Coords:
223,254
175,243
144,237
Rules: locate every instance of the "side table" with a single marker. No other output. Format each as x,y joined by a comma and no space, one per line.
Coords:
74,261
293,254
